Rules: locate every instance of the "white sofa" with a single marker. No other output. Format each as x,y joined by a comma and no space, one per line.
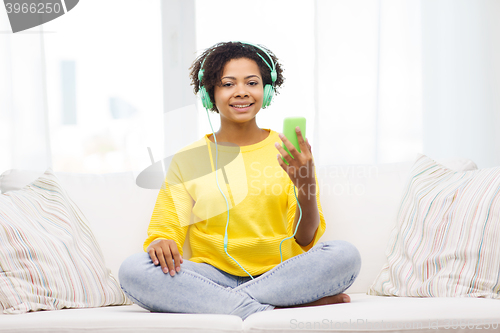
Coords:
360,204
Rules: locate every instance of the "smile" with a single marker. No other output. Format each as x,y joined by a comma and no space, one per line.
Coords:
241,106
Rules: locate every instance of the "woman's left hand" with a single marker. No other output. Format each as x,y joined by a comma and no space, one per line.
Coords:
301,166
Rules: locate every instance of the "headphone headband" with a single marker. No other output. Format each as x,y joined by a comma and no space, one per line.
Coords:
274,76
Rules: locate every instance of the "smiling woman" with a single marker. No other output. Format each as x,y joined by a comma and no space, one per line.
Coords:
270,250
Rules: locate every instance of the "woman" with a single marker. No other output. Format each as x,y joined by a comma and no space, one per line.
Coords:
244,258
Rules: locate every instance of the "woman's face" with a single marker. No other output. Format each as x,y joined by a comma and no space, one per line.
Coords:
241,85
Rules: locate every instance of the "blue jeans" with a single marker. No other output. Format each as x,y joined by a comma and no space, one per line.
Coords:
327,269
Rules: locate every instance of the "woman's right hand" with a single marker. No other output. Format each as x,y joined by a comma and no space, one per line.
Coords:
165,253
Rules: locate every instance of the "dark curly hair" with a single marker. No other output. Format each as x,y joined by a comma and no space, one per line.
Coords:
218,55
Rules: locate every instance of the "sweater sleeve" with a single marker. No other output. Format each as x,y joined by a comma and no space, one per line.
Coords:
292,206
172,212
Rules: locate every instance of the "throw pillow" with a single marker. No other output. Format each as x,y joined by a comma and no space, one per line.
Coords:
49,258
446,240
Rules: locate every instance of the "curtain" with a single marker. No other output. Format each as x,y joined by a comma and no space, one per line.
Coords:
83,96
400,77
24,132
368,81
461,79
378,81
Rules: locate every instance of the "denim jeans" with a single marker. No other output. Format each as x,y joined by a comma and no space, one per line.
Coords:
327,269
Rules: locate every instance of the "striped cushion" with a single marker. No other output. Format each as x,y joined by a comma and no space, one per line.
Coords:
446,242
49,258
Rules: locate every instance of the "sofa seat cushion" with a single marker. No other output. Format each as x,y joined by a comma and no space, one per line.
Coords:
367,313
117,319
384,314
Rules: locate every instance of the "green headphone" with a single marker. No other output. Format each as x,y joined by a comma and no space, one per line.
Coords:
268,89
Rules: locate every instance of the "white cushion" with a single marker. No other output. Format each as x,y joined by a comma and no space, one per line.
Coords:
49,258
446,241
360,203
118,319
366,313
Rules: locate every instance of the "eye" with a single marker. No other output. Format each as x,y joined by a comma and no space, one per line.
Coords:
253,83
227,84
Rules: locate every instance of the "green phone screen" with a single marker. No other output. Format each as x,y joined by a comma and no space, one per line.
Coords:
289,125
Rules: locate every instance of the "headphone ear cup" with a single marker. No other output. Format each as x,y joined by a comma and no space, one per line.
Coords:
205,98
268,95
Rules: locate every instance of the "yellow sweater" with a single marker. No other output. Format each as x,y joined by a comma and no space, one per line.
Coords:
261,202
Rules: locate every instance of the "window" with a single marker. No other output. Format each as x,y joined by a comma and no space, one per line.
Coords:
104,83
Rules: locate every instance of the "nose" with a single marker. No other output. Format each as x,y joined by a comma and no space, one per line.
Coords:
240,91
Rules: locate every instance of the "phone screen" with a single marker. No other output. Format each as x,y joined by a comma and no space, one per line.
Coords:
289,125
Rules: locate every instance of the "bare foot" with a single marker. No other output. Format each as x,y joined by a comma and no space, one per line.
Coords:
339,298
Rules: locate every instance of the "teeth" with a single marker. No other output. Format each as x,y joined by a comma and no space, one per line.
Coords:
241,106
